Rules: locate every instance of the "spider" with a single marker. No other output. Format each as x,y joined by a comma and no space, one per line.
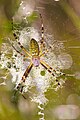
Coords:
35,53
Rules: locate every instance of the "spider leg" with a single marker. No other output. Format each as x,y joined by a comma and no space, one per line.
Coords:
20,86
17,38
49,69
24,50
17,50
43,53
42,42
42,30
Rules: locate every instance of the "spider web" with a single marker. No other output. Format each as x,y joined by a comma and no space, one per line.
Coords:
55,58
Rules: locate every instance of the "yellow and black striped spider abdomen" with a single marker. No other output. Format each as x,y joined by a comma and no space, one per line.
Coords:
34,47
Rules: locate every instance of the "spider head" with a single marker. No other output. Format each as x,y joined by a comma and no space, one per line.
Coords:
36,61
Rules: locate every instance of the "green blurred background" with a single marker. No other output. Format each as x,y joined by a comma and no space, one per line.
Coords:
63,18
